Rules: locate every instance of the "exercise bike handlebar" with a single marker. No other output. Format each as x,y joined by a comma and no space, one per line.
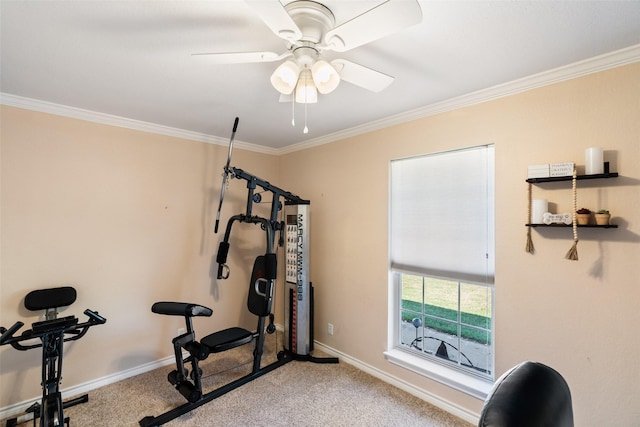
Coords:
95,317
68,325
8,333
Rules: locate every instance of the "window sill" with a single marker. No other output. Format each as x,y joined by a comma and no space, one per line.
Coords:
476,387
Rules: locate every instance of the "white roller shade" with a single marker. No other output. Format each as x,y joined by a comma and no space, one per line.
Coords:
442,215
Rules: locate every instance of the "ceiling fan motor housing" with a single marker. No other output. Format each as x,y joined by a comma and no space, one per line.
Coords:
312,18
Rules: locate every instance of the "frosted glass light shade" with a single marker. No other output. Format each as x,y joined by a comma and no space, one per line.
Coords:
325,77
306,92
285,77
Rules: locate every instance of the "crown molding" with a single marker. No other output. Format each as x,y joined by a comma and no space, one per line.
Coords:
578,69
596,64
108,119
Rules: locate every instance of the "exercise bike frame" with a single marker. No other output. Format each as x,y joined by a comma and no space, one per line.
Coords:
51,334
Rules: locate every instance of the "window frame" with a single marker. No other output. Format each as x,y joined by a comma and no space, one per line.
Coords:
431,366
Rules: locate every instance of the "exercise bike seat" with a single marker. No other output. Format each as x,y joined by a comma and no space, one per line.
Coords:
52,298
181,309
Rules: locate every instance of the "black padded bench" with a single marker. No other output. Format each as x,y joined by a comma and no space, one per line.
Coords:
215,342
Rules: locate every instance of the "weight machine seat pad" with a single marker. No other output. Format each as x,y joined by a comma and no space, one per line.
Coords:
227,339
45,299
181,309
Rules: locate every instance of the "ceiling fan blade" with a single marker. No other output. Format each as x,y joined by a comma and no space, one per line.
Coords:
385,19
277,19
241,57
362,76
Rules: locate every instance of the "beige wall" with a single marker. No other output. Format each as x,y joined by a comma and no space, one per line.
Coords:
579,317
126,216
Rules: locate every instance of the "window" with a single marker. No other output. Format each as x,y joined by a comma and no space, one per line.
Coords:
442,266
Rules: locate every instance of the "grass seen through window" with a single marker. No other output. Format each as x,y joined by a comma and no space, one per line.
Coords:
442,301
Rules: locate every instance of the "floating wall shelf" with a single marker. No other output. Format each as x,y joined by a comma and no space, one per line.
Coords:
569,226
569,178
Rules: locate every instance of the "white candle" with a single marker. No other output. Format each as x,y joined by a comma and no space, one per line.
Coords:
538,209
594,161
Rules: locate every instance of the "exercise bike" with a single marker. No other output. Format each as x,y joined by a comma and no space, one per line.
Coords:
50,334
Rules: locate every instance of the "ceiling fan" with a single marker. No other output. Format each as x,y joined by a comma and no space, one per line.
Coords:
309,28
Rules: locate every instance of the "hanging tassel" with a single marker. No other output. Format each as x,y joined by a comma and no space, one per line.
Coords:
529,246
572,255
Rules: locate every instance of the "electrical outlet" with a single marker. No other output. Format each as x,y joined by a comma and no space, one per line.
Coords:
181,331
330,328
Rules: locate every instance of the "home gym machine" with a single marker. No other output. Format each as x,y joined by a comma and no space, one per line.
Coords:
50,334
298,322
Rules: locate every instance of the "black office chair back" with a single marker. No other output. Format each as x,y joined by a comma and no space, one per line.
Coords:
50,300
528,395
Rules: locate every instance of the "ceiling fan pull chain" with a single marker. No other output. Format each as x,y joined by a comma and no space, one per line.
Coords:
306,102
293,111
306,129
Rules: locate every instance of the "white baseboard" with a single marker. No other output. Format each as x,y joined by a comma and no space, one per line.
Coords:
19,408
436,401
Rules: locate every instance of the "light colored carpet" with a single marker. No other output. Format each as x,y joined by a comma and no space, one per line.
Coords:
296,394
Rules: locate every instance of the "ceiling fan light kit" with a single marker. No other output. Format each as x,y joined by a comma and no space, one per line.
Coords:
309,27
305,71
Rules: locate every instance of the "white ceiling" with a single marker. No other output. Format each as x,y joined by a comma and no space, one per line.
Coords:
133,59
